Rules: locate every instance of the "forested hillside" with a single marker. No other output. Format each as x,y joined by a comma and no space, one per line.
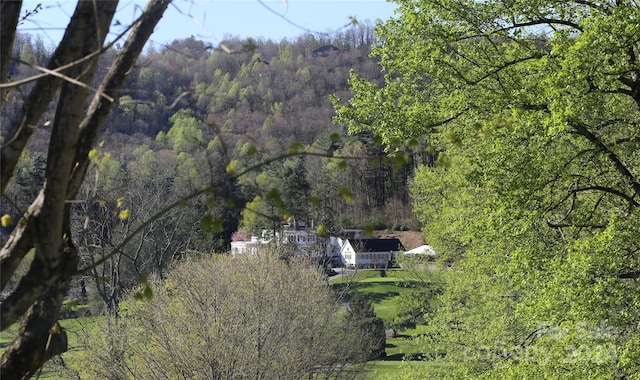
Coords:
188,114
187,100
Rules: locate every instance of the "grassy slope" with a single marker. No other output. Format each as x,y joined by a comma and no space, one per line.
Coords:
382,292
76,330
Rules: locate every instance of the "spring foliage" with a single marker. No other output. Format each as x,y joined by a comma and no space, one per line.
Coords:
533,108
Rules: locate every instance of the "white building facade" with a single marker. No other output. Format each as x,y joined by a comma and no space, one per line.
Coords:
353,251
369,253
296,233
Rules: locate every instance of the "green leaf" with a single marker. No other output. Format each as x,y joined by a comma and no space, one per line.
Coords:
443,160
124,214
217,225
413,144
345,193
453,138
147,293
368,229
93,153
7,220
274,196
399,160
231,167
206,223
295,147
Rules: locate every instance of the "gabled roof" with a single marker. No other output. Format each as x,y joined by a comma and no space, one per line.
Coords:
376,245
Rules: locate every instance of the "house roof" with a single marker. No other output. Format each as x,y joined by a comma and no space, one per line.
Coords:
376,245
325,51
422,250
351,234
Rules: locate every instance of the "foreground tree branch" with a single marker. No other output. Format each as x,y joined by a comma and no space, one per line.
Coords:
9,17
622,169
45,226
49,219
69,50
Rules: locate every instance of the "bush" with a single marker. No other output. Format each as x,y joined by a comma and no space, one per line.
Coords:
223,318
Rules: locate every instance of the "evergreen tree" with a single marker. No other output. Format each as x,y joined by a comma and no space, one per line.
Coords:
369,328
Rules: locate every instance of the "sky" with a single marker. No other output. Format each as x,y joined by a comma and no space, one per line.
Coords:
214,20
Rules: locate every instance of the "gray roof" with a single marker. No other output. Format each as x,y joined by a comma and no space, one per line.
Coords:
376,245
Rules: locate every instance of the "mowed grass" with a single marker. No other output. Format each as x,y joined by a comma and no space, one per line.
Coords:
77,329
407,348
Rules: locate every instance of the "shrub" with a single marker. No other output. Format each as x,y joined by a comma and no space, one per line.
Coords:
222,318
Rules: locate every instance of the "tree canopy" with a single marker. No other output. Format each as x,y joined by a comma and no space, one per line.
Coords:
532,108
253,316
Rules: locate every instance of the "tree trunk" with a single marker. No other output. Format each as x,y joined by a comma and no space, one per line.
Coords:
45,226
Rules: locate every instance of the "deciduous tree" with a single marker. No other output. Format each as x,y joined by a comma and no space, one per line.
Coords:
252,316
45,226
534,108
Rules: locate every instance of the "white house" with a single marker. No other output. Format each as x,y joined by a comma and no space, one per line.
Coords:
298,233
368,253
247,246
353,250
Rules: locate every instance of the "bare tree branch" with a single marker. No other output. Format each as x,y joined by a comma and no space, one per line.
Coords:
50,223
46,225
22,127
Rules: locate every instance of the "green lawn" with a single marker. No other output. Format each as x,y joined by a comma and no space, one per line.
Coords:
6,336
404,350
76,329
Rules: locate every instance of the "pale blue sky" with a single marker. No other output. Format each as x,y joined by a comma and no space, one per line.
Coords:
212,20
